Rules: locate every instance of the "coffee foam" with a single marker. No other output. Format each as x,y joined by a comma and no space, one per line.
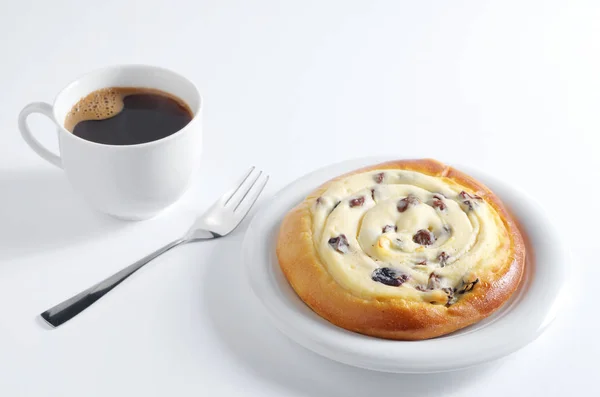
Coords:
106,103
98,105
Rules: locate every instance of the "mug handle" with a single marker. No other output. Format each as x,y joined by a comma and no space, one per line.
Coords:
46,110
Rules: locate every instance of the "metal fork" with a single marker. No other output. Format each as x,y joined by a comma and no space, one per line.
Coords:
220,220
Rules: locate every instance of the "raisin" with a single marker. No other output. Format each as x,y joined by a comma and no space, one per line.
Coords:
402,205
439,204
424,237
443,258
450,293
320,200
466,196
422,263
357,202
339,243
434,281
468,199
406,202
466,287
469,204
378,177
420,288
388,276
373,194
390,228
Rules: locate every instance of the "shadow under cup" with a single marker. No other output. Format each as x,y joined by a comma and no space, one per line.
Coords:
132,182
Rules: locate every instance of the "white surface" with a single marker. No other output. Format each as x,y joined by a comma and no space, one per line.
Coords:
511,87
133,182
522,319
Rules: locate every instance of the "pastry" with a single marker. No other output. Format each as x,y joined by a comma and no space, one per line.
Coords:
406,250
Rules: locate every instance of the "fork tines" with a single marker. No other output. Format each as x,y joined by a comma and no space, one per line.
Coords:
247,191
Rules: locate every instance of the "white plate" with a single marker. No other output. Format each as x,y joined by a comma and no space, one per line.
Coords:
513,326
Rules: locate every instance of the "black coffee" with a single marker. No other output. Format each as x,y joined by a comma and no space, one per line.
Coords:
127,116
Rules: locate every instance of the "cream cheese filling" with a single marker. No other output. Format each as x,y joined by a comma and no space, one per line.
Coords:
466,235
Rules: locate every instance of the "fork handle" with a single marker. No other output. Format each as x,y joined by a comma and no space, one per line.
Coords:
68,309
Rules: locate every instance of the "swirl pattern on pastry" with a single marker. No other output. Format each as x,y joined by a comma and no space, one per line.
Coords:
414,226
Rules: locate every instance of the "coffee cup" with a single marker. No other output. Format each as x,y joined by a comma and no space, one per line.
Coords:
132,181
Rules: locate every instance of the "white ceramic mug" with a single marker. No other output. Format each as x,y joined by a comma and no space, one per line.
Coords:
131,182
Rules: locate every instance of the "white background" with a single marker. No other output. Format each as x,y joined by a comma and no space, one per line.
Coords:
511,87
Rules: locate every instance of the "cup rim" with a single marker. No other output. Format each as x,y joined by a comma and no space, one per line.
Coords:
197,111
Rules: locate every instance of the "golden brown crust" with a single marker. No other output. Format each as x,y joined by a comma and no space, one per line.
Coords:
394,318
